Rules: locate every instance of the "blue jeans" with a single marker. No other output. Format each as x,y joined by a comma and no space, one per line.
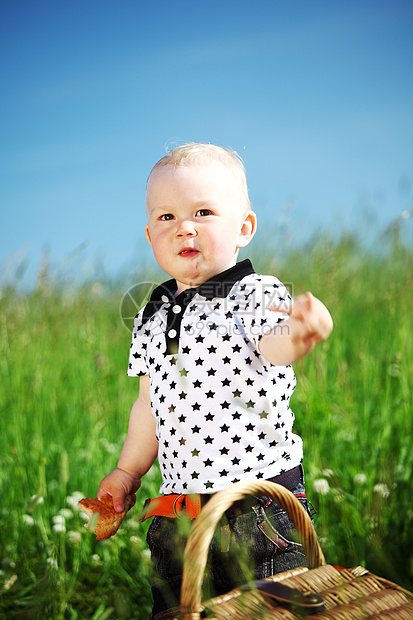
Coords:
243,549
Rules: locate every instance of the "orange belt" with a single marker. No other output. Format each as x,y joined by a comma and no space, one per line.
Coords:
172,506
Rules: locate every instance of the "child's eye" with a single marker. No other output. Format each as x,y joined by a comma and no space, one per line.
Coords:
204,212
166,216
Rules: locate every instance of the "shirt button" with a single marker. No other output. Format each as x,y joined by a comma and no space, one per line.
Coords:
176,309
172,333
165,299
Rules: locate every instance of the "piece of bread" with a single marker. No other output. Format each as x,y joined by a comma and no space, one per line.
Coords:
107,521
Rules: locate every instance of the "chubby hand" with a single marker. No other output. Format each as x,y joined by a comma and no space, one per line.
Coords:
308,322
313,321
118,484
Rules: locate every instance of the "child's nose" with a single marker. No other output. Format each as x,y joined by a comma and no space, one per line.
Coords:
186,228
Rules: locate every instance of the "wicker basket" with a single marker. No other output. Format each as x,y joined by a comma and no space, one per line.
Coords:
352,594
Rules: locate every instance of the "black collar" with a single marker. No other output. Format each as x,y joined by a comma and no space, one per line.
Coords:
218,286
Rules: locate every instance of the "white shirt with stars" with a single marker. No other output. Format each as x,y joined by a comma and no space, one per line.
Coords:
222,411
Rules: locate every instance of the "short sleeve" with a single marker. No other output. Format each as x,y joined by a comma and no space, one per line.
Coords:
253,308
137,355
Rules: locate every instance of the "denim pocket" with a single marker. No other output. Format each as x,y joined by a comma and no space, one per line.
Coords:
287,556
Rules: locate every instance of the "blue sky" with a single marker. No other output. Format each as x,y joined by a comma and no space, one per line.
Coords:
317,97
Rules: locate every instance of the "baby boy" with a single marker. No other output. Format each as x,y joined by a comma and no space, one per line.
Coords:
213,349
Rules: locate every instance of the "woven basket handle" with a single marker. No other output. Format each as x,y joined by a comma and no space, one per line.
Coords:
196,551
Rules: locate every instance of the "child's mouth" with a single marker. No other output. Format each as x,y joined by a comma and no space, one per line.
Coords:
188,252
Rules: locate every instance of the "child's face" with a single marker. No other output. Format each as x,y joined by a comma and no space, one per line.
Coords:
197,220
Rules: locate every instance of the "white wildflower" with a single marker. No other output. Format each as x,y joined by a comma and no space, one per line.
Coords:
74,537
59,528
66,513
381,489
59,520
96,559
73,499
35,500
135,540
360,478
52,562
321,486
131,524
328,473
28,519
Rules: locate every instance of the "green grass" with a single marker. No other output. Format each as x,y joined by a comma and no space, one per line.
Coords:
65,401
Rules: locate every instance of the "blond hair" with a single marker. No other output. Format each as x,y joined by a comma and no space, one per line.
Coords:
198,152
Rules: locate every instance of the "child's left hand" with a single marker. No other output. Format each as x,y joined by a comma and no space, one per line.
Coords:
308,323
314,322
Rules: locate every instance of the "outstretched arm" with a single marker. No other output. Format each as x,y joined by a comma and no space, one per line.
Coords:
309,322
138,453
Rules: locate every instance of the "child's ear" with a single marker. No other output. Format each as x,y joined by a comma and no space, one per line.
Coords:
148,237
248,228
